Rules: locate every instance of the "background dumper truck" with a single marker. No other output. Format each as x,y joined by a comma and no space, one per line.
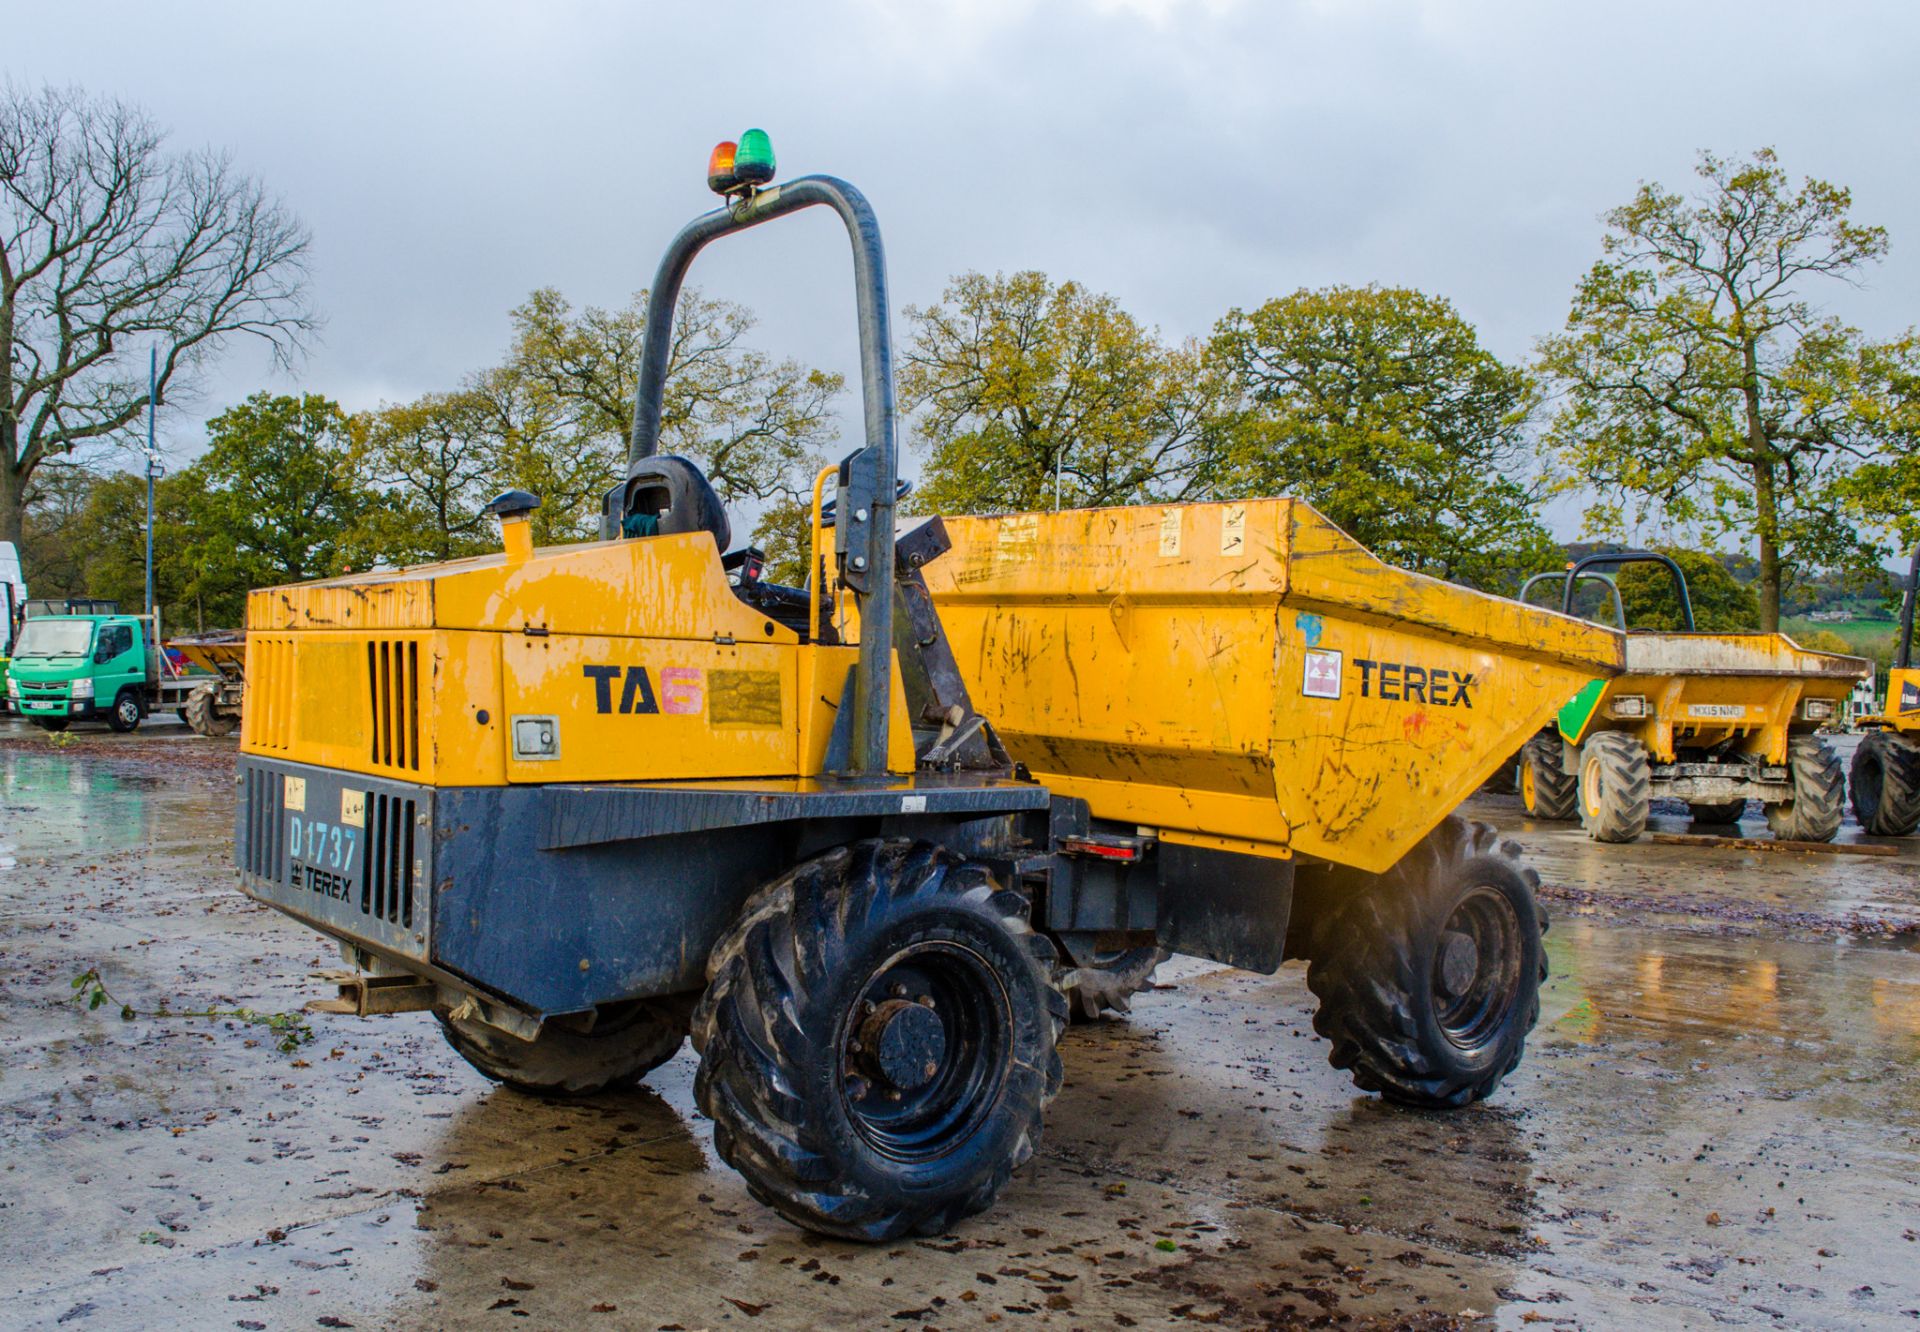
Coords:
583,801
1714,719
1885,781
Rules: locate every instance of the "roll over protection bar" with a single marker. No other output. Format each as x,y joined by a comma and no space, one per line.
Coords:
1619,607
867,477
1632,557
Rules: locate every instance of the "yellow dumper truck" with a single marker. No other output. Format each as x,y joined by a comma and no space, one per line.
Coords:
582,801
1885,781
1711,719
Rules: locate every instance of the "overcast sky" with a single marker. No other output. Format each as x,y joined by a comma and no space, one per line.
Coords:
1185,157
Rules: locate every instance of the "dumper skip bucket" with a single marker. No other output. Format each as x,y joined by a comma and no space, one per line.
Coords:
1246,676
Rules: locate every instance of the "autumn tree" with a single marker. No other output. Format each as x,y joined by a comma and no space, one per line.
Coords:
274,497
111,245
1380,407
111,545
1703,391
1722,604
1030,394
436,462
754,423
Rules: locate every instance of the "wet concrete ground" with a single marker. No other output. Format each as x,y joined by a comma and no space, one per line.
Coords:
1718,1123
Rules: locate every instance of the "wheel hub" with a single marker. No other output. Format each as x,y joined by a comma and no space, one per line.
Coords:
902,1044
1476,967
1459,963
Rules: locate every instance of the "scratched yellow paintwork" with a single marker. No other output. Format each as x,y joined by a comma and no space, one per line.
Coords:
1694,684
484,640
1153,661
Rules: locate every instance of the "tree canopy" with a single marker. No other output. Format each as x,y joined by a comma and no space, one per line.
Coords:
1031,394
1702,389
1380,406
754,423
274,498
1721,603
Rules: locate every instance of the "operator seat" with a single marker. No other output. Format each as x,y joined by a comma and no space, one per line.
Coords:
667,494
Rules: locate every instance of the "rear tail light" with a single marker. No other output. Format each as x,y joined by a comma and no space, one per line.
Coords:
1628,705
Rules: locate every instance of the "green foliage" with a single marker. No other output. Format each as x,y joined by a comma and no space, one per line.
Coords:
1823,640
1379,406
1721,603
1028,393
563,403
436,464
1702,391
290,1030
274,499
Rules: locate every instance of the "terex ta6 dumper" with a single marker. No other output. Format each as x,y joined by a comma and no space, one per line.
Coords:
580,801
1714,719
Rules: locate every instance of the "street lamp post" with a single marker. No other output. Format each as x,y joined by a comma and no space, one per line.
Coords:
153,463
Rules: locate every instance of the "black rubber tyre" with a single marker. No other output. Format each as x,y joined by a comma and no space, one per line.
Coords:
125,714
837,1125
1813,815
1108,984
1506,778
1428,976
1716,813
1547,789
53,724
1885,784
1616,785
626,1044
203,714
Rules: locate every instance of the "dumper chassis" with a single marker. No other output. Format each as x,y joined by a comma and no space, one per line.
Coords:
585,802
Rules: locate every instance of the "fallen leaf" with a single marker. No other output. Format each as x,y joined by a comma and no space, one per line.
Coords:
750,1310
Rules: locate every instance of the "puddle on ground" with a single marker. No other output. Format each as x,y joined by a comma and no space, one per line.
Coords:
1708,1128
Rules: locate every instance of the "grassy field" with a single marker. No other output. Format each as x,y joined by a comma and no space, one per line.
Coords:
1868,638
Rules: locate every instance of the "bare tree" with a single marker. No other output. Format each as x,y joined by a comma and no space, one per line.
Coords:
110,245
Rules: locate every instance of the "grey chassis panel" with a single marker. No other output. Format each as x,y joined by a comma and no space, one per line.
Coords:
303,852
631,905
577,816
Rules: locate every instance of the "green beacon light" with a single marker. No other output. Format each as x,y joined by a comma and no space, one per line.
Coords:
753,160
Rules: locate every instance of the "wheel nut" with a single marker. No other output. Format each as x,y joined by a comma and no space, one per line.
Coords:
931,1069
899,990
857,1089
926,1000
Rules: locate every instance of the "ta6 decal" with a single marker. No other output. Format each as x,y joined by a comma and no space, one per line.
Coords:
682,690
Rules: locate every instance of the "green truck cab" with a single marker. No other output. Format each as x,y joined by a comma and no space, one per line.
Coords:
68,668
13,606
